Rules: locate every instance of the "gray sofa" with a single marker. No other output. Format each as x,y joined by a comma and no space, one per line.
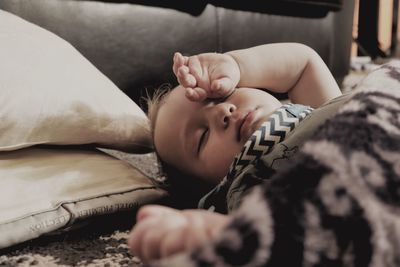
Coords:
132,42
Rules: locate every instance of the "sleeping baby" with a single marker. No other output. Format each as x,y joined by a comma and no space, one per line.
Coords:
207,128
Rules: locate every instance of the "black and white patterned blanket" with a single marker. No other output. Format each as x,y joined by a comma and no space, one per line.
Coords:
338,204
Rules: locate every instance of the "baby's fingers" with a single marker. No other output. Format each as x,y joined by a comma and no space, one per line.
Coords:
178,61
222,87
150,248
173,242
154,240
153,210
196,94
185,78
136,237
196,233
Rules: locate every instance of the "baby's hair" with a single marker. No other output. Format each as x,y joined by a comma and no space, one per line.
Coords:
154,101
185,189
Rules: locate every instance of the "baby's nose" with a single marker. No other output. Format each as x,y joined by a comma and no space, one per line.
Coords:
226,111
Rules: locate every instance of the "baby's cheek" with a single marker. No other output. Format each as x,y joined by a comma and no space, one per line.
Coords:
218,164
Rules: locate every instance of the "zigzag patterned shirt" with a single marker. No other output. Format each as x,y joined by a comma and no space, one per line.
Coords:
273,131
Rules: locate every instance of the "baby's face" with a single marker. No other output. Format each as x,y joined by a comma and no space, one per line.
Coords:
203,138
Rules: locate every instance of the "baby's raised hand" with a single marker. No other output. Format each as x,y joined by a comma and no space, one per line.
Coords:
208,75
162,231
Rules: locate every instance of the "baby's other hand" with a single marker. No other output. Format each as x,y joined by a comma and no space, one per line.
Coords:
208,75
162,231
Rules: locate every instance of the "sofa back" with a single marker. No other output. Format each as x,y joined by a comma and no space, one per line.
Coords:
133,44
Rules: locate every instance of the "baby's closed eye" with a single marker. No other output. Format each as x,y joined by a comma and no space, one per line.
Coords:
203,139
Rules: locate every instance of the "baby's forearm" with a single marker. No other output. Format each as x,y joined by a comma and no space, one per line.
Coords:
287,68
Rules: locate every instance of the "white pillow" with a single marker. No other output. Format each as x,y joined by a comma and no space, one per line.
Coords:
51,94
44,190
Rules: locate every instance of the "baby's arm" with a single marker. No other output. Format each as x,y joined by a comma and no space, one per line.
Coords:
162,231
290,68
282,67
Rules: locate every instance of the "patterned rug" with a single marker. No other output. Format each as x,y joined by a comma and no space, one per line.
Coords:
85,247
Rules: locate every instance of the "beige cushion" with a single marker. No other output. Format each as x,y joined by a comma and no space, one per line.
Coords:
43,190
50,94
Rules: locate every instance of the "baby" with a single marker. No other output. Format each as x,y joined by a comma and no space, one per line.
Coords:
201,125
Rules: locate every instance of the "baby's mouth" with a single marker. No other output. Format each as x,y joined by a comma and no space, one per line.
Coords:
245,124
241,122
